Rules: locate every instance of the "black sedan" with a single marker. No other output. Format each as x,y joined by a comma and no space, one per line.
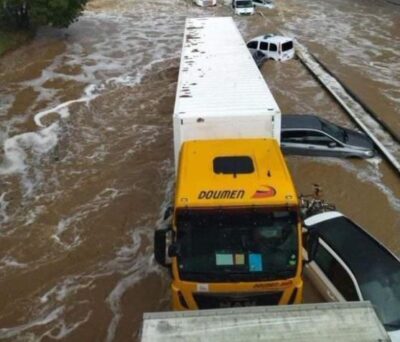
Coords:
311,135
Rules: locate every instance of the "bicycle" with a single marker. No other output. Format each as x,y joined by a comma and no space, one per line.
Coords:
313,204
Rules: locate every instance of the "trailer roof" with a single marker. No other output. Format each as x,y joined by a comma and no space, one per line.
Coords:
344,322
218,76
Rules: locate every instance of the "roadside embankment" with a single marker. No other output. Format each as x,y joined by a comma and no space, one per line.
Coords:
10,40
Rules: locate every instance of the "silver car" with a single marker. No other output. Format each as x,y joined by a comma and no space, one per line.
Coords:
263,3
311,135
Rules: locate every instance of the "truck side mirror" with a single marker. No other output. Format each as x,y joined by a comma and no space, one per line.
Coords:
174,250
168,212
160,246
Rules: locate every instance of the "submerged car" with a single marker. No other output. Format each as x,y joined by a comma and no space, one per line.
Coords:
205,3
345,263
259,58
243,7
311,135
263,3
278,48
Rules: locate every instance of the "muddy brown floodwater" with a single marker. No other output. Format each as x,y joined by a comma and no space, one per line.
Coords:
86,166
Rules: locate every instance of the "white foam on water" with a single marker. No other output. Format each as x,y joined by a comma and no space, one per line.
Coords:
133,265
142,266
8,126
10,262
62,109
63,329
99,153
358,39
70,224
33,213
6,102
15,148
66,288
129,71
4,218
43,319
370,174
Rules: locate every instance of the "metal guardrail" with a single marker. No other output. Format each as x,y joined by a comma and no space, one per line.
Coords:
361,114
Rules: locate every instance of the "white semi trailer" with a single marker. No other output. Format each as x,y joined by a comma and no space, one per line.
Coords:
221,93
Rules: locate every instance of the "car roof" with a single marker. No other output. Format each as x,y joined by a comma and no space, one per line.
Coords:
367,258
270,37
292,121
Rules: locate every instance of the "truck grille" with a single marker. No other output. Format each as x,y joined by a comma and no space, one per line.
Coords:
228,300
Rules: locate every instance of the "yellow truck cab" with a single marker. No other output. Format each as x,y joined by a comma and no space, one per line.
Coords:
235,238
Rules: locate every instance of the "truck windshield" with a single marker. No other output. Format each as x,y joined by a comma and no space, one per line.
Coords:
244,4
237,245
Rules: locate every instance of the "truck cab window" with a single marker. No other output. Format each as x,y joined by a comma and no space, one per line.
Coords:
228,245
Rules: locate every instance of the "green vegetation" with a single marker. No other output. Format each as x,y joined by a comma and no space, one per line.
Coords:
28,14
20,18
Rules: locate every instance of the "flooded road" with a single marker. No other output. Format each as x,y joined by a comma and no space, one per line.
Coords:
86,166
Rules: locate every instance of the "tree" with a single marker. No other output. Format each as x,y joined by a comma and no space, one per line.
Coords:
25,14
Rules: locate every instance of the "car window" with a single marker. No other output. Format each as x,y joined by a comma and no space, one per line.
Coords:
316,138
335,131
252,45
377,271
336,273
273,47
263,46
293,136
257,1
287,46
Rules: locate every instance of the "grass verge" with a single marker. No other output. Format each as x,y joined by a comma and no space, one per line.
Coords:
10,40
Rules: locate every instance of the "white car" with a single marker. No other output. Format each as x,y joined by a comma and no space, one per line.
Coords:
346,263
263,3
279,48
205,3
243,7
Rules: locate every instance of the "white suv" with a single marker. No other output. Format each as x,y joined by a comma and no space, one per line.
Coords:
275,47
243,7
